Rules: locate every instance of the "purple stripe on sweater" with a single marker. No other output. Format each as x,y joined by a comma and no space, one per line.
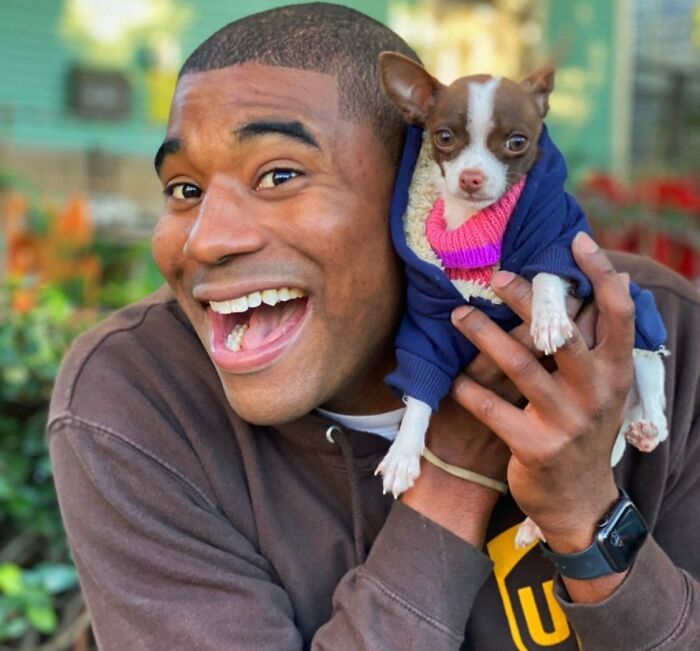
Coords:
471,258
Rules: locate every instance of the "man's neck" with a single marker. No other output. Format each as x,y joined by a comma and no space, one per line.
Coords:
368,394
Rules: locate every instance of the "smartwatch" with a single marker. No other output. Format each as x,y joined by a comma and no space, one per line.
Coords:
618,538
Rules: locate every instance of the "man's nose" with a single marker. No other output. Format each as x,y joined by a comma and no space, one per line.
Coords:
471,180
223,229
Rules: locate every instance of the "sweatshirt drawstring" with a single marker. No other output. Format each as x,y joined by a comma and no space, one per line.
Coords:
335,434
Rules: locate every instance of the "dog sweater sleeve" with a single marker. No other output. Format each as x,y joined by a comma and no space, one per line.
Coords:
649,329
556,257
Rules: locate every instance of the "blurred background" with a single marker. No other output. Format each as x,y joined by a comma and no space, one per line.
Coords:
85,87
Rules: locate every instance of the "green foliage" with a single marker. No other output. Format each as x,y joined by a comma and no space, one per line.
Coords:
26,597
32,344
129,272
31,347
37,325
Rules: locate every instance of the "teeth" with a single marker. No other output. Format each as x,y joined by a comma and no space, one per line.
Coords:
267,296
235,337
270,297
254,299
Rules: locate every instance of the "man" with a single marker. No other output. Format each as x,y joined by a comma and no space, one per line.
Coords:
212,504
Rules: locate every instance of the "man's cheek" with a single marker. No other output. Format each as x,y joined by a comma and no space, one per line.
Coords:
166,247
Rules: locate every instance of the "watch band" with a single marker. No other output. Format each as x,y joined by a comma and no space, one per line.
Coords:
587,564
617,540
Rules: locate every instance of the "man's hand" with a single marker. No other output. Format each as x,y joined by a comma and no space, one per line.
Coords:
458,437
559,472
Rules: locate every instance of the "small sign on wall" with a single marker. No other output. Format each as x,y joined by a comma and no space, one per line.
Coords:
99,94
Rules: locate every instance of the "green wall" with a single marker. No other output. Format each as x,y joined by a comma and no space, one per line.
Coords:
581,33
35,60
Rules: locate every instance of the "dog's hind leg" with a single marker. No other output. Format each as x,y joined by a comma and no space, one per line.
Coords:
528,532
647,425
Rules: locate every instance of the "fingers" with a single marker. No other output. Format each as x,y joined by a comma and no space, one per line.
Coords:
586,323
615,330
514,359
483,369
502,418
588,317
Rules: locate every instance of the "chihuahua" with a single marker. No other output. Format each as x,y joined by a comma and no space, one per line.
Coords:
481,134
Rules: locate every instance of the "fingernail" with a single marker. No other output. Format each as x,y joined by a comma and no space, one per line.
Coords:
460,312
502,278
625,278
459,382
585,242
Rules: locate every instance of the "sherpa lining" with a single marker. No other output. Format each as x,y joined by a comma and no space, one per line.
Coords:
422,194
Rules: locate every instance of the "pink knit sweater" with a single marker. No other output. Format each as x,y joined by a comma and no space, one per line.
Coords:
471,251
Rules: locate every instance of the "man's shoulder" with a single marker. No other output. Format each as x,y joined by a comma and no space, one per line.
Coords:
142,358
135,318
138,403
656,277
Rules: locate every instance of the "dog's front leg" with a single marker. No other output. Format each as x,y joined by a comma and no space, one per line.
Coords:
401,465
550,327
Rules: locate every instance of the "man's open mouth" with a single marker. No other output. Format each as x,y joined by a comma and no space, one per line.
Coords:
251,326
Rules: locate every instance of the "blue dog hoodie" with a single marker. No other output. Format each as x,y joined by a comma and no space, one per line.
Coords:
430,351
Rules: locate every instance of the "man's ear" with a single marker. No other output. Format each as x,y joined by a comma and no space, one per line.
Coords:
540,84
408,85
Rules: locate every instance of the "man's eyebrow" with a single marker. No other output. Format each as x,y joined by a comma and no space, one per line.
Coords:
295,130
169,146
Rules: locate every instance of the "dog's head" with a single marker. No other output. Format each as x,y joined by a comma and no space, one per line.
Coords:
484,129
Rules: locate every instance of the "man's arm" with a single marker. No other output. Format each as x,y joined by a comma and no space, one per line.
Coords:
162,568
560,470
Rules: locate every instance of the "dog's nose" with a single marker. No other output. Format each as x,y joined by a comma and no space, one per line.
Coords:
470,180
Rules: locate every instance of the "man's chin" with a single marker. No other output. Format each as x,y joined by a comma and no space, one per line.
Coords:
270,411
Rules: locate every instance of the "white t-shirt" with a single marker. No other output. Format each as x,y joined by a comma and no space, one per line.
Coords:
386,424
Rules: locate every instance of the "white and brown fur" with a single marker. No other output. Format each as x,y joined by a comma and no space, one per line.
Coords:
485,116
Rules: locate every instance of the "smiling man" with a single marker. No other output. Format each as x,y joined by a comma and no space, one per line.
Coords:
214,445
274,239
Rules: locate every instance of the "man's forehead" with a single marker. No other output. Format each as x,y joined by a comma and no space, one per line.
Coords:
242,91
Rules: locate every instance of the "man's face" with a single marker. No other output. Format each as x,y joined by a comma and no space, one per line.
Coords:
269,188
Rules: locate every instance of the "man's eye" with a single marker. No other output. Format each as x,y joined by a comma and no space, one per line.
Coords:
183,191
276,177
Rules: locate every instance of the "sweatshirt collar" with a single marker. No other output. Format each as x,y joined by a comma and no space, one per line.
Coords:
315,431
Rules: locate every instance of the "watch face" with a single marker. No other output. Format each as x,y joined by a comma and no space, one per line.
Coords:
621,539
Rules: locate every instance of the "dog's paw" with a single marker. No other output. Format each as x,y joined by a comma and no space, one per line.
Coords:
550,329
399,471
643,435
527,533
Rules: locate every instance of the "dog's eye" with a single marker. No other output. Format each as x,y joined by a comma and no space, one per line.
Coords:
443,138
517,143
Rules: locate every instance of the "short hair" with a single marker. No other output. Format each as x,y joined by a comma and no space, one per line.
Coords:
322,37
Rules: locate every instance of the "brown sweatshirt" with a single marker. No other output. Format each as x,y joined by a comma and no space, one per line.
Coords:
194,530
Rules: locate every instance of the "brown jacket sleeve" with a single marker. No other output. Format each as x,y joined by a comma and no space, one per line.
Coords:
162,568
658,605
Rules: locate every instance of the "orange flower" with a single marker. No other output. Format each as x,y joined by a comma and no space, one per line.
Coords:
23,300
74,224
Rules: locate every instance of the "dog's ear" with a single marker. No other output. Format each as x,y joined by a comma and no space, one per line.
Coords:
408,85
540,84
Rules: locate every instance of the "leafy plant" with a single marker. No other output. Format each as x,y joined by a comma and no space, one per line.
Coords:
26,597
32,344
